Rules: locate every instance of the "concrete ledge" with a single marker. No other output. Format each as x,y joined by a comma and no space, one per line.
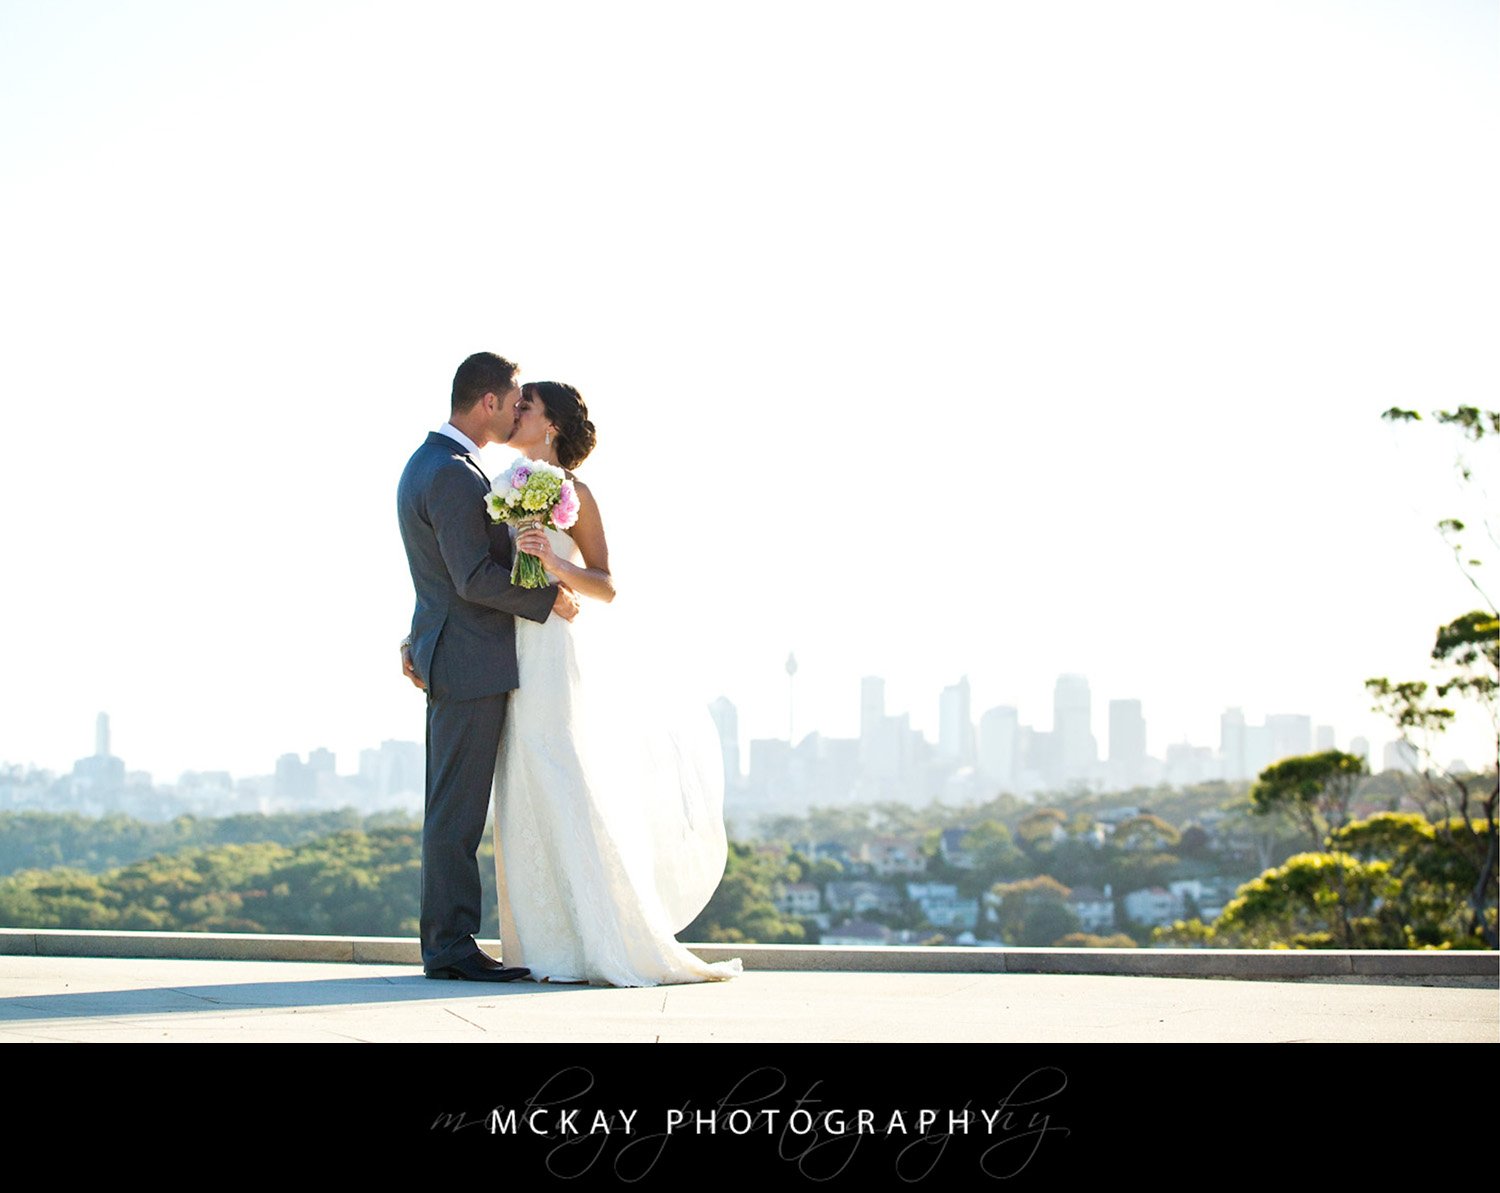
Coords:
388,950
1459,963
1280,964
1245,964
851,958
194,946
1182,963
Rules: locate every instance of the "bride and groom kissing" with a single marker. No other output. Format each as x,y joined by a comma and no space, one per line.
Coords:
608,841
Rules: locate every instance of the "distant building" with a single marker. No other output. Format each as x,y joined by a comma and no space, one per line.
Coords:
1072,724
770,763
1232,745
858,896
831,764
1246,750
1291,735
211,792
1207,898
798,899
727,721
951,848
1094,908
885,751
395,768
858,932
294,780
941,905
955,725
1127,743
101,774
1152,906
1402,756
828,851
997,745
1188,764
893,856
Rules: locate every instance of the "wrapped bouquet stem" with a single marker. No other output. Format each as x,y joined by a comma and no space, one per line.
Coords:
532,493
527,570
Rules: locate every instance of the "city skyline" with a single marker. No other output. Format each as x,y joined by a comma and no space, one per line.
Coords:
1375,730
977,754
991,742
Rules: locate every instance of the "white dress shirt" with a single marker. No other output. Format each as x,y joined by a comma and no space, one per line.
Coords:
454,433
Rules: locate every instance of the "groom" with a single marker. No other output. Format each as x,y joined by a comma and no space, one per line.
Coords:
462,650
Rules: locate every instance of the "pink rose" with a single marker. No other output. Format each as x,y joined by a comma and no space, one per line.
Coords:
565,512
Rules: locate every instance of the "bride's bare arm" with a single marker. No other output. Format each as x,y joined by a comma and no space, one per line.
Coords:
593,578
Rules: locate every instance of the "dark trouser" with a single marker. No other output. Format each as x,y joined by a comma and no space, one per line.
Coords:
463,738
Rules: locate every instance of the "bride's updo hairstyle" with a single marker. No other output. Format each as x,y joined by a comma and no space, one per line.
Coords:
565,411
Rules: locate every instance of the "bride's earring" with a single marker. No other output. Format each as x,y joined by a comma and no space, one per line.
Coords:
549,439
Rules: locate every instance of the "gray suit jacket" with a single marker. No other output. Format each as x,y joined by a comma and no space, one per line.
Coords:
462,633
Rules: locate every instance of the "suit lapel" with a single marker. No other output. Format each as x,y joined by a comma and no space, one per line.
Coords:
454,448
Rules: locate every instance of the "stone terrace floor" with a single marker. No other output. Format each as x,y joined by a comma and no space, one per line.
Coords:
87,987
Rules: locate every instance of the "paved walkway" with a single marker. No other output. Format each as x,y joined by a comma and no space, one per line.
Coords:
58,998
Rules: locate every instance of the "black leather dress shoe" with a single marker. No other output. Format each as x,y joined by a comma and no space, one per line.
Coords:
480,967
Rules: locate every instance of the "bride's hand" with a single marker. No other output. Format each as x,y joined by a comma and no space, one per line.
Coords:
535,542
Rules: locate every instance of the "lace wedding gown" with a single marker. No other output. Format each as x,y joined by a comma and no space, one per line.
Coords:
609,824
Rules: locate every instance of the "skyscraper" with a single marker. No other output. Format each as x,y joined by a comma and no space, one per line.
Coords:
1290,734
884,751
101,771
956,725
1127,742
727,720
1232,746
998,729
1072,717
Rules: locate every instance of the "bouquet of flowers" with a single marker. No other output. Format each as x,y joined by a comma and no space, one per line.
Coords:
532,493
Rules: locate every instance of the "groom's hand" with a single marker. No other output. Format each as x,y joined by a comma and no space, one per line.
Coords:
566,604
408,670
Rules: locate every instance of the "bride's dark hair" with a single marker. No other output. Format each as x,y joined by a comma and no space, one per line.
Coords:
565,411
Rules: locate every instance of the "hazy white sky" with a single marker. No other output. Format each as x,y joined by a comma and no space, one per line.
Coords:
923,340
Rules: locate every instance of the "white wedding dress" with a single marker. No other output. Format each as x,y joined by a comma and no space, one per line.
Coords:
609,818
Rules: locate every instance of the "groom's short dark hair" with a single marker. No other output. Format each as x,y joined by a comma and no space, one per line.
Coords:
481,374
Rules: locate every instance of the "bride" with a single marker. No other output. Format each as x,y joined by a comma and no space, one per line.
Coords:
609,830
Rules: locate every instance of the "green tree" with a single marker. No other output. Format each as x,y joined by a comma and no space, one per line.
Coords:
1033,912
1088,940
1037,830
1461,807
1428,906
1147,833
1315,900
741,909
1195,843
1313,791
994,854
